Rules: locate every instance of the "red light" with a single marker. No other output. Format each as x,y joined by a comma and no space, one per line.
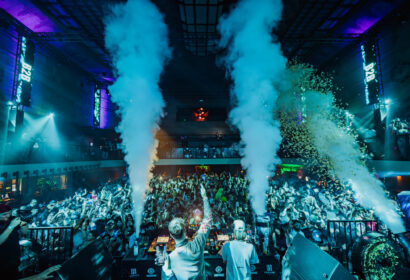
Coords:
201,115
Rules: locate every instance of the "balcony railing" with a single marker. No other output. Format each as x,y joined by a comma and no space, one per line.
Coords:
55,243
198,153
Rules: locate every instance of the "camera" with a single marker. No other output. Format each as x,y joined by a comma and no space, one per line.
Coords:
25,215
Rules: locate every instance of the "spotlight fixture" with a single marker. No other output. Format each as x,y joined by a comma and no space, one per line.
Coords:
387,101
51,115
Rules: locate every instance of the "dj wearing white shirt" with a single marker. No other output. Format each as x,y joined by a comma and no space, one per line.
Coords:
239,255
186,262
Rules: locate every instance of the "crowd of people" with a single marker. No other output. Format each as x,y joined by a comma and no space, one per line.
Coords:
295,204
107,212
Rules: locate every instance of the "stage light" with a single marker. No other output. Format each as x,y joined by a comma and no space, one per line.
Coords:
50,133
387,101
10,103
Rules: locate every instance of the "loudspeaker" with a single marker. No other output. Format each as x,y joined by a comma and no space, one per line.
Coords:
304,260
92,262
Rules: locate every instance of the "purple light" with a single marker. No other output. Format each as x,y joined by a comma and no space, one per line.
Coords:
109,79
362,25
104,111
29,15
363,19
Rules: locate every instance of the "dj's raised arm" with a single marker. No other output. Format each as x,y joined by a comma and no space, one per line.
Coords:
187,260
206,222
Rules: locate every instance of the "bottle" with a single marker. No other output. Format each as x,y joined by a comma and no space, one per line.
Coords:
158,252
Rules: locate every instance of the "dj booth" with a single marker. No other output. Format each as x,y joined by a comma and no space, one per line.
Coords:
142,266
145,268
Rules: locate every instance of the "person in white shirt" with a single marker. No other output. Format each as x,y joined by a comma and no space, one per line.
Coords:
239,255
186,262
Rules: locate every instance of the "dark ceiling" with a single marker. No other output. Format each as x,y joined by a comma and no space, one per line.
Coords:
311,30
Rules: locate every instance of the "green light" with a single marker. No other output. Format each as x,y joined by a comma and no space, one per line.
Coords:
287,167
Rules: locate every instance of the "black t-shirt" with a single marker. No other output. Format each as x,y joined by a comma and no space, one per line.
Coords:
9,254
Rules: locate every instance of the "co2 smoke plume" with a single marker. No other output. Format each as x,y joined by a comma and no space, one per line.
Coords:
334,142
137,39
255,63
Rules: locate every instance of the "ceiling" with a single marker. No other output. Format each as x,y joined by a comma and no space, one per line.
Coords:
312,30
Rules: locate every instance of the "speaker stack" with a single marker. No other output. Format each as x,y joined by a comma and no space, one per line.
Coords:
91,263
304,260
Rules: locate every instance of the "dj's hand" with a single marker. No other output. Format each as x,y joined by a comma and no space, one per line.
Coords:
203,191
167,266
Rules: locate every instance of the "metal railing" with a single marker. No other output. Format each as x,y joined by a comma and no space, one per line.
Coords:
56,243
198,153
343,234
